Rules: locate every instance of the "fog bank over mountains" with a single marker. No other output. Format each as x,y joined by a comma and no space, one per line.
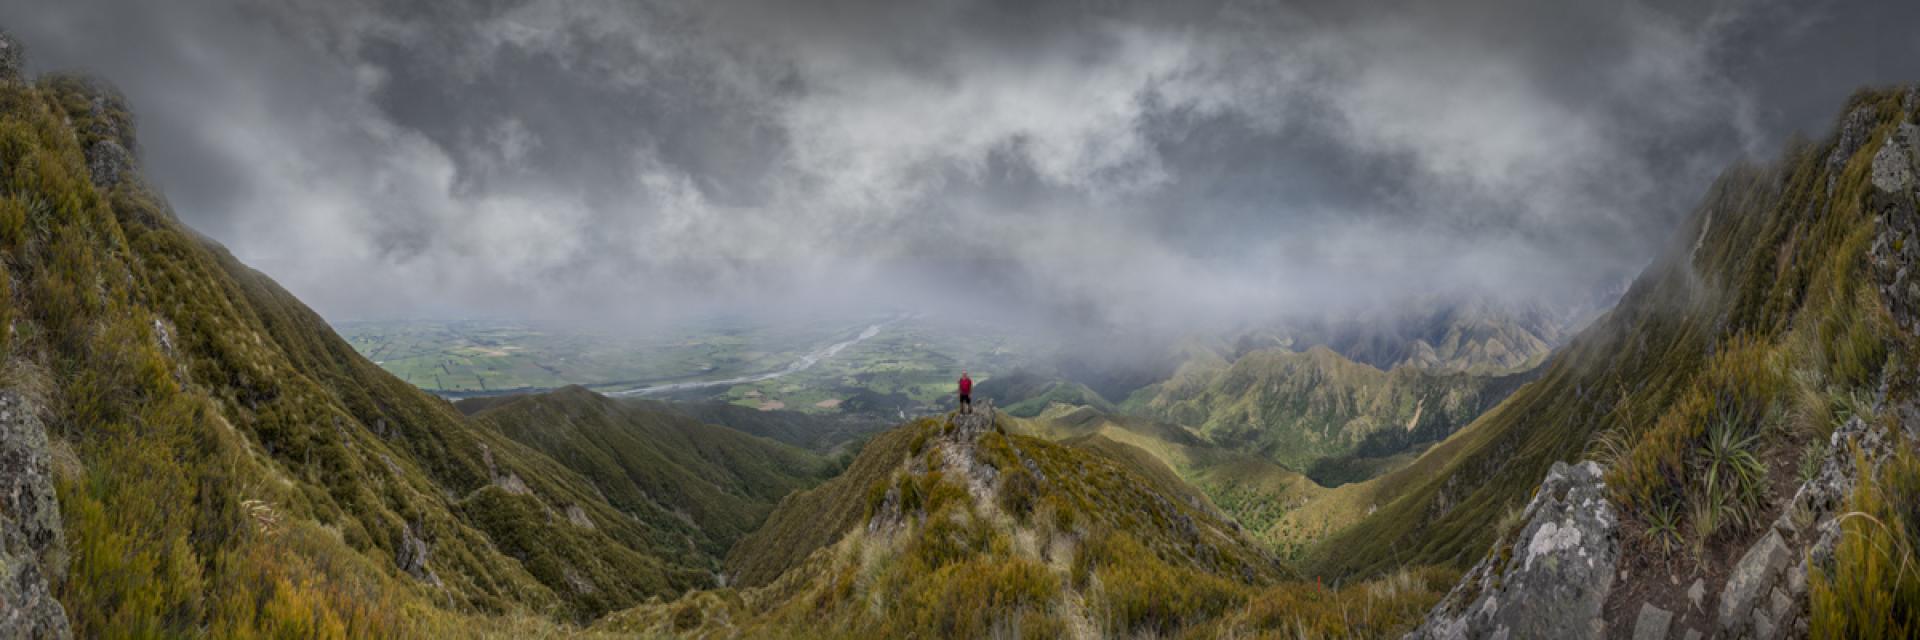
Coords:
1112,162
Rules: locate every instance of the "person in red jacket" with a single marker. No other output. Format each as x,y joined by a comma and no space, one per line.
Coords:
966,392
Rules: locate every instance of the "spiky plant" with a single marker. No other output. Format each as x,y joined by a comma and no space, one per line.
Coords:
1810,461
1730,470
1663,529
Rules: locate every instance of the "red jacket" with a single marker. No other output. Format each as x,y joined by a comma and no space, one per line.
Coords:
966,386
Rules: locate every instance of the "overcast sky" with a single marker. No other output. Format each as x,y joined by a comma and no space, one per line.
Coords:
1129,162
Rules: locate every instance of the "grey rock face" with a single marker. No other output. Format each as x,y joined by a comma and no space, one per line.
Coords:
32,546
107,137
1896,243
1893,165
413,554
1853,133
1557,576
108,164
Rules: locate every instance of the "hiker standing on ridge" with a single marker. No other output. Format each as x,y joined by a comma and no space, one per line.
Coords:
966,392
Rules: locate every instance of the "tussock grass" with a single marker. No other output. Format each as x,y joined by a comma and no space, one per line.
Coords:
1871,586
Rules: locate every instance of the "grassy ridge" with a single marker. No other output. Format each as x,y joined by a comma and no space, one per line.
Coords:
1256,493
998,535
661,468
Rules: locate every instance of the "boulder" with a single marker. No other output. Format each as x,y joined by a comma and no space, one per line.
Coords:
32,541
1759,569
1551,578
1893,165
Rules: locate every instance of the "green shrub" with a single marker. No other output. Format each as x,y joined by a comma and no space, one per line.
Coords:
1019,492
978,598
1141,594
1663,529
1386,607
687,617
948,537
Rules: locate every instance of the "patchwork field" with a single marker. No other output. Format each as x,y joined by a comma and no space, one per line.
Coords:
896,365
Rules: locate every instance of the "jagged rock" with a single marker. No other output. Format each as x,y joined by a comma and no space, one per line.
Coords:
1817,499
32,545
971,426
413,554
107,137
108,164
1756,572
1893,164
1557,576
1896,243
1697,594
1853,133
1652,623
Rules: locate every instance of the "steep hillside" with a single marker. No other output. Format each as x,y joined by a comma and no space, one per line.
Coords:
1026,394
224,463
1315,410
817,432
1256,493
957,529
1738,351
660,467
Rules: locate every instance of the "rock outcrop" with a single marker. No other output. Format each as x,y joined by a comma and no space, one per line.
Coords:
1551,579
1765,593
32,545
1896,244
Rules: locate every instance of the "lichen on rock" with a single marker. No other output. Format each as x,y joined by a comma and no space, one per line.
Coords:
1557,577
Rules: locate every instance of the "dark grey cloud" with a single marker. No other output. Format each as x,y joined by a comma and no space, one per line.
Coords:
1122,162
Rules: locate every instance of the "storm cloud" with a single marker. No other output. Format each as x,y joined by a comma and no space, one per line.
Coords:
1114,162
